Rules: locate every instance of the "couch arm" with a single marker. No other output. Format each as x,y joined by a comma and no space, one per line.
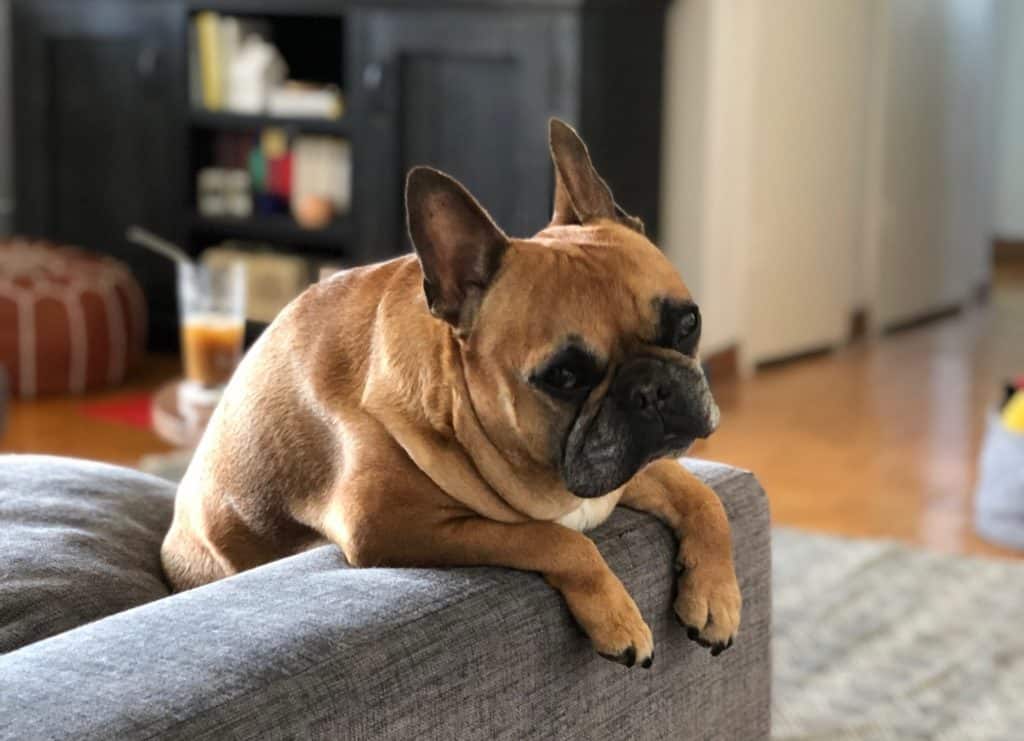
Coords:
308,648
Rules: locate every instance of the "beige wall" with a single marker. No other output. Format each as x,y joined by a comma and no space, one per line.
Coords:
1009,181
685,144
933,184
836,155
807,175
706,142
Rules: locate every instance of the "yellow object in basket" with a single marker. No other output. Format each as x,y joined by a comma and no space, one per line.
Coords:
1013,413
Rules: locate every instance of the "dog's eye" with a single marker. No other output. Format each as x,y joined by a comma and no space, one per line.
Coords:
562,378
688,324
572,370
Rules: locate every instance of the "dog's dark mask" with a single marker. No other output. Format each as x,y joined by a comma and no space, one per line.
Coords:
654,404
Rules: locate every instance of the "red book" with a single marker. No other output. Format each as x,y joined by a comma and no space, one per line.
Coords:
281,176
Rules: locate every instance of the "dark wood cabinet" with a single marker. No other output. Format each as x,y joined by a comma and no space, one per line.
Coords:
105,136
469,90
465,91
98,104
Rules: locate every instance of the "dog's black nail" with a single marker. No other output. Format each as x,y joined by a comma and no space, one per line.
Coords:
720,647
648,661
627,657
692,633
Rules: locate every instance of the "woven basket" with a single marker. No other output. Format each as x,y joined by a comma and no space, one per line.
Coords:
70,320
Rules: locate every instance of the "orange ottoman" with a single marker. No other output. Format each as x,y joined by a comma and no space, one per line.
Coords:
69,320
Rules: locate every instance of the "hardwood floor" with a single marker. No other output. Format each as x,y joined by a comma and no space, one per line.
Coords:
57,425
877,440
880,439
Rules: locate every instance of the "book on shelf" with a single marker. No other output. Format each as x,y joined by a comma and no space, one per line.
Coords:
306,176
207,25
234,67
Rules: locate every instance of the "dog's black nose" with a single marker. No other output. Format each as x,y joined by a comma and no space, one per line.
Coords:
649,395
646,386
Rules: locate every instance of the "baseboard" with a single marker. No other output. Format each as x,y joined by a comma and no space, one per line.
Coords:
809,354
858,324
1007,250
722,365
943,312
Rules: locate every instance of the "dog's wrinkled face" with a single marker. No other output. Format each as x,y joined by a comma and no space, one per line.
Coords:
579,345
584,357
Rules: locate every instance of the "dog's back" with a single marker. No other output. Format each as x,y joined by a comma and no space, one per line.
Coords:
274,439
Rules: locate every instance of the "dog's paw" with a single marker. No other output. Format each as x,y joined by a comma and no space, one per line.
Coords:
708,605
614,623
625,638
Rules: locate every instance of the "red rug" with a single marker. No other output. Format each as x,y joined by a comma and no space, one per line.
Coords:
130,409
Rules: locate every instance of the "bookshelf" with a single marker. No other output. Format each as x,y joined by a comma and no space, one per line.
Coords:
275,229
226,121
225,135
108,132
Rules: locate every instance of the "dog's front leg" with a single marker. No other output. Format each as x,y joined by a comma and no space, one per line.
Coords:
708,602
568,561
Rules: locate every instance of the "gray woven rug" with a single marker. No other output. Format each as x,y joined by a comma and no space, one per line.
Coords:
875,640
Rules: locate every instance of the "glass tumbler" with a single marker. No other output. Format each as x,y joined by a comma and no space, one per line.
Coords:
211,302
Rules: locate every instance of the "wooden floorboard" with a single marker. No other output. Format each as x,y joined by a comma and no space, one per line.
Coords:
880,439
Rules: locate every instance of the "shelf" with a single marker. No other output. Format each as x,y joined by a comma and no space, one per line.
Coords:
316,8
220,121
334,238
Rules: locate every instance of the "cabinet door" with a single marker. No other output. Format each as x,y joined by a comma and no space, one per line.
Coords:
99,104
467,92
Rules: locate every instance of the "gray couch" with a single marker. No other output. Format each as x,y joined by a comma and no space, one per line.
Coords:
92,647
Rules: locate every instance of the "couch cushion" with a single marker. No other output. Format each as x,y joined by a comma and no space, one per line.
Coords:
307,648
80,540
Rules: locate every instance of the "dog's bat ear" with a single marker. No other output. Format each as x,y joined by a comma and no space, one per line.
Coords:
580,193
458,244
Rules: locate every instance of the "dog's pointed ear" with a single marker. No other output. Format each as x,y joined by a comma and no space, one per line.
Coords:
580,193
458,244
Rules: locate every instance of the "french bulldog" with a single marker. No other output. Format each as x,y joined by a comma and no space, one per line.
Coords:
480,402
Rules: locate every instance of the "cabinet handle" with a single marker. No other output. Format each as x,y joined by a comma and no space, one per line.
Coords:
373,75
146,62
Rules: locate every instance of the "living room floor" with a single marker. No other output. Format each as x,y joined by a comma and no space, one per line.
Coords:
879,439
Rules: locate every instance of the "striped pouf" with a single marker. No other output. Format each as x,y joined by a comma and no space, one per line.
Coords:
70,320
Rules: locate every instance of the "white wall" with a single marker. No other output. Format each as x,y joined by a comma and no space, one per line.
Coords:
684,178
807,175
774,210
1009,180
706,137
932,184
827,156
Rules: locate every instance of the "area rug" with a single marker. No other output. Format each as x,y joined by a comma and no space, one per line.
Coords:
874,640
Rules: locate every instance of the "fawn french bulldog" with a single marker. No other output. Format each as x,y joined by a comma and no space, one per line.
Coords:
482,402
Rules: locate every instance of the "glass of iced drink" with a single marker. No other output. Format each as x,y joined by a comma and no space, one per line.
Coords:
212,305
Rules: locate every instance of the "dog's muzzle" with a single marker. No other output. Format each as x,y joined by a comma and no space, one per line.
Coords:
653,409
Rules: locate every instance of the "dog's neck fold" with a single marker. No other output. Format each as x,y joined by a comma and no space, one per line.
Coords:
440,431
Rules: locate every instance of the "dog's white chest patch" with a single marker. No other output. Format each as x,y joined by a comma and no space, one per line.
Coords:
591,512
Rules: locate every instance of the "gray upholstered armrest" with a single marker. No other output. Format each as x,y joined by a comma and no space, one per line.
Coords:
307,648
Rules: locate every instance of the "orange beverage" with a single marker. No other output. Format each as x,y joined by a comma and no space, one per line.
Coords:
212,303
212,346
